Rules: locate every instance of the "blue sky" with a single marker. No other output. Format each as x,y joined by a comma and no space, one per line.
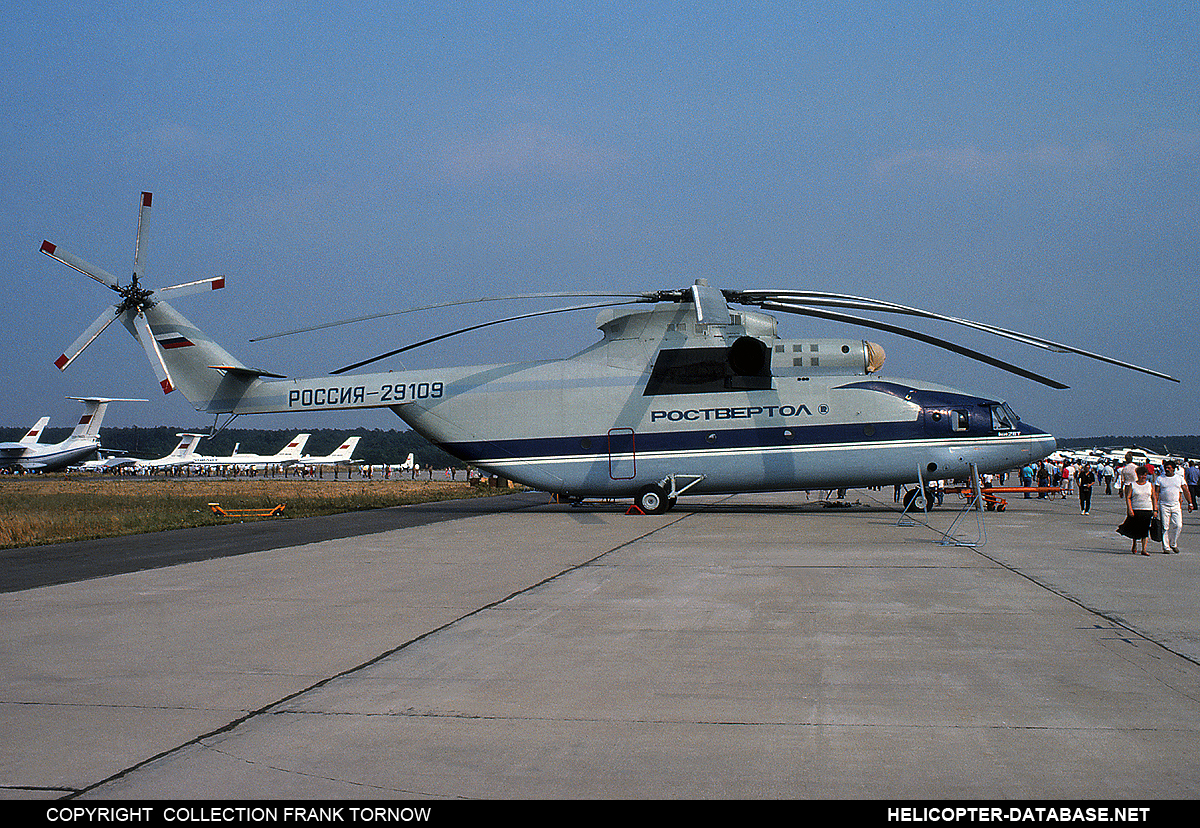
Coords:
1032,168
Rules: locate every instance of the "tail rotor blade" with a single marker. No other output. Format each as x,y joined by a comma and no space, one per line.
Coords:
72,261
139,249
85,339
188,288
146,337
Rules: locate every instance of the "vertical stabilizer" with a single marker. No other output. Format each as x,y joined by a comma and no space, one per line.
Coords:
205,373
186,448
293,449
35,433
94,409
346,449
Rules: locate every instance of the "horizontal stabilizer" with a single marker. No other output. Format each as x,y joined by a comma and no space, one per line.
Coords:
246,373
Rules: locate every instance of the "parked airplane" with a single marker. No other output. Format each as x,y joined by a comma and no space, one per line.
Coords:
287,456
182,455
339,456
409,465
81,445
687,396
107,461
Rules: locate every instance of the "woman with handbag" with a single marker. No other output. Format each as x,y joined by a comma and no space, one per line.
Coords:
1141,504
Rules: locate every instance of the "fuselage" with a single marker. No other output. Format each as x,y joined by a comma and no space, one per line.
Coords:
51,457
730,406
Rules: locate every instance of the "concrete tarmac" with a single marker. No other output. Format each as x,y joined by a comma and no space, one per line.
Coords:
751,646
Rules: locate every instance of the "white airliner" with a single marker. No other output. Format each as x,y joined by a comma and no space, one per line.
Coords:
182,455
84,442
287,456
339,456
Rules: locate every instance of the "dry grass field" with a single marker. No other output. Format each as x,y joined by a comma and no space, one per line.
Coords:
38,509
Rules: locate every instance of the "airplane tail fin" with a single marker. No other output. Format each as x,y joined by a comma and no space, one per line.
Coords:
346,449
94,409
293,449
187,446
35,433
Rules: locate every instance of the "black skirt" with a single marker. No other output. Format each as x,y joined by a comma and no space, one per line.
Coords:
1137,525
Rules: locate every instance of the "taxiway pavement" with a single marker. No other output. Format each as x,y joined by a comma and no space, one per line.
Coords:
750,646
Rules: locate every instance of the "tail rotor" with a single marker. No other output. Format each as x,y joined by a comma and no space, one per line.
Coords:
135,300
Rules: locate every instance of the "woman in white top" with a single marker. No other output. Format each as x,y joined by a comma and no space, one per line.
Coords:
1141,502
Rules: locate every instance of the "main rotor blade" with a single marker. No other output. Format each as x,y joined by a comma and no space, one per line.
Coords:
636,297
864,303
481,325
86,338
198,286
926,338
146,337
139,247
72,261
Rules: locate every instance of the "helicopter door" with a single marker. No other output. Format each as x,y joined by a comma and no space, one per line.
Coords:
622,464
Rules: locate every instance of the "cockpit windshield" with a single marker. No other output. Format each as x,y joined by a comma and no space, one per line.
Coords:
1003,418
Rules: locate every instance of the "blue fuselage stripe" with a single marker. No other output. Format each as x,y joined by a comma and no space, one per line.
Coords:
765,439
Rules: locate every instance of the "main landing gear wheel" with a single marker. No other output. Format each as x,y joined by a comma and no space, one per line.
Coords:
652,499
924,500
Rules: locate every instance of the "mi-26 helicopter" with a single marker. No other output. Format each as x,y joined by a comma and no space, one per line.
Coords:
692,394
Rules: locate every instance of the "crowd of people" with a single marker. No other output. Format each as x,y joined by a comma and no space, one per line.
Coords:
1154,502
1155,498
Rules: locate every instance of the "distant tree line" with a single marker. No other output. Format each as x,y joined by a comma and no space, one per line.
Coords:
376,447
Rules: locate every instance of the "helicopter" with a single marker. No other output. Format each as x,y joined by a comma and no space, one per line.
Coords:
694,392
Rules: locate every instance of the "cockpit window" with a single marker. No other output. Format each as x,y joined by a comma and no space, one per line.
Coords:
1002,418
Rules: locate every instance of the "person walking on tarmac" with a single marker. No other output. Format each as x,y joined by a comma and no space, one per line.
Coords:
1173,493
1087,479
1141,502
1128,473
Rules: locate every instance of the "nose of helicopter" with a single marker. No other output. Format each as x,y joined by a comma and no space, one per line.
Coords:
1041,443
